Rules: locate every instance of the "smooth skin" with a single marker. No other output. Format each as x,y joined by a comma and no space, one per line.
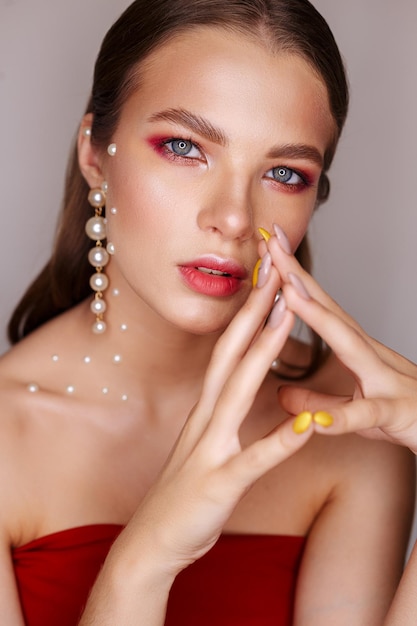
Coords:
230,467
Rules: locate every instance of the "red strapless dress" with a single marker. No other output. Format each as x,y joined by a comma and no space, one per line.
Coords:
245,580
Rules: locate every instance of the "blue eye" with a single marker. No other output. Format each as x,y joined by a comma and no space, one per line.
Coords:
181,146
286,175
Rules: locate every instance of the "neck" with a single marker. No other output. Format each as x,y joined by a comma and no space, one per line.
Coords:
145,353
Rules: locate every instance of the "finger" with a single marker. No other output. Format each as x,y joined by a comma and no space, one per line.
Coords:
295,400
266,453
350,346
378,418
237,338
240,390
287,264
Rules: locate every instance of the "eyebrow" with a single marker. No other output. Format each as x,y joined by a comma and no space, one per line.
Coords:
193,122
297,151
204,128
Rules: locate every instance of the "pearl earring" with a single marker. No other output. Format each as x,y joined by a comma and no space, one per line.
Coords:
98,256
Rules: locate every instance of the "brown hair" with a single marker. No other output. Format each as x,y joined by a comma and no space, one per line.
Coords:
285,25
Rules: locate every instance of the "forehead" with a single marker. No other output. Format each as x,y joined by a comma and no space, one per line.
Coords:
233,78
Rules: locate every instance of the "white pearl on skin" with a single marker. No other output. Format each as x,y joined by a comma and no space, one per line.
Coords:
99,282
98,306
113,210
105,186
98,256
115,292
55,358
112,149
96,228
70,389
110,248
87,359
123,328
99,327
124,397
117,358
105,390
33,387
87,132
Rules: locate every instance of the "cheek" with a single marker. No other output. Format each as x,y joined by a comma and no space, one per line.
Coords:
295,221
137,207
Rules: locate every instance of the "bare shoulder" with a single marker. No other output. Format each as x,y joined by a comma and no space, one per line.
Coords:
14,407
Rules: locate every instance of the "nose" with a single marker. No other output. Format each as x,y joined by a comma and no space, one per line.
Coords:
227,208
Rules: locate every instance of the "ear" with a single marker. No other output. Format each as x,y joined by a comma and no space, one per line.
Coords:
89,158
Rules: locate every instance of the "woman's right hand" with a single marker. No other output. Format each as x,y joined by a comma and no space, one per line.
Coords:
208,471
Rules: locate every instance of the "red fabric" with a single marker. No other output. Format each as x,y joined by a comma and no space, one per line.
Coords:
245,580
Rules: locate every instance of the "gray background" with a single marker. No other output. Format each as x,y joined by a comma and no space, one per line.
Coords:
363,238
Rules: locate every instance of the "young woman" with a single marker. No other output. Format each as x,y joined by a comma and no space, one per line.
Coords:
207,121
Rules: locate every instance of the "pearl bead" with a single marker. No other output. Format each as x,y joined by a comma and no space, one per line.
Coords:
99,282
105,390
110,248
117,358
112,149
113,210
99,327
105,186
98,306
33,387
87,132
97,198
275,364
55,358
124,397
96,228
70,389
123,328
98,256
115,292
87,359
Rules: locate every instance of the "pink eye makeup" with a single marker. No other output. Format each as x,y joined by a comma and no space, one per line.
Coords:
177,148
291,179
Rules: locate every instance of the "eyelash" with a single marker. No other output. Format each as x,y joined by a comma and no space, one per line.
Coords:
163,144
301,184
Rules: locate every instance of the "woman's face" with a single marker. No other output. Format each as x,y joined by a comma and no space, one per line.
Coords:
221,138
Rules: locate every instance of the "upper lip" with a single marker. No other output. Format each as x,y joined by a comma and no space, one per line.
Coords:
214,262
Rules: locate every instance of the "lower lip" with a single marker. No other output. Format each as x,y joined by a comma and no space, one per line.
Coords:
210,284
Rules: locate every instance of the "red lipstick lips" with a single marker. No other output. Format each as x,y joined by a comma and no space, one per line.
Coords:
212,276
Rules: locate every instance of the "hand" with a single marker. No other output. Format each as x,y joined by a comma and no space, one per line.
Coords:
384,402
208,472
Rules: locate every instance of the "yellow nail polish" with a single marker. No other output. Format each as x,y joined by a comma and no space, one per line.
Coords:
302,422
266,236
323,418
256,272
264,233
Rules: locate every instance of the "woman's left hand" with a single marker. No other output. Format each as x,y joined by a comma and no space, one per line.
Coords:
384,402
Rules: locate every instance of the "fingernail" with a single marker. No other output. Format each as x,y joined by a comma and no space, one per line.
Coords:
264,270
277,314
298,285
302,422
264,233
323,418
282,239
